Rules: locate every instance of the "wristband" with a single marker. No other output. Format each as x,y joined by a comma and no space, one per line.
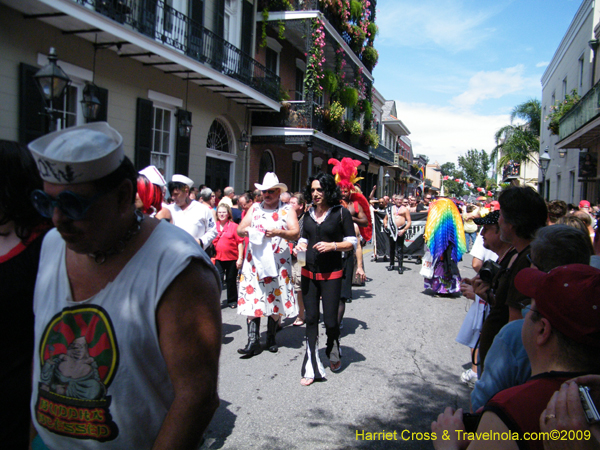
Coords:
335,244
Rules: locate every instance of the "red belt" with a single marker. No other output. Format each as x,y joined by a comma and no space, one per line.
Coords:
322,276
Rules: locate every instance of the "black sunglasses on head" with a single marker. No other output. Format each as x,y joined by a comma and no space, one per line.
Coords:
72,205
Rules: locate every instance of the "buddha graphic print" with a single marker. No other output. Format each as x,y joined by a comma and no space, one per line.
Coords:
78,357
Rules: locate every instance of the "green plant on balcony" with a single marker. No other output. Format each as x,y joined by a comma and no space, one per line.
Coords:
348,96
316,59
273,5
330,81
333,115
356,10
370,56
357,38
353,128
371,138
372,31
559,109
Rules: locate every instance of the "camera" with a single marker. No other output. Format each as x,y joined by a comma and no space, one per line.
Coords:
488,271
591,413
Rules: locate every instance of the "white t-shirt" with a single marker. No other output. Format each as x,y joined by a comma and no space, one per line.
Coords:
480,252
197,219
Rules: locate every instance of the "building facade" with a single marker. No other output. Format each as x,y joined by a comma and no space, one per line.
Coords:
576,140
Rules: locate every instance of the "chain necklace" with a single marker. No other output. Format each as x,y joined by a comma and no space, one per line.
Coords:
119,247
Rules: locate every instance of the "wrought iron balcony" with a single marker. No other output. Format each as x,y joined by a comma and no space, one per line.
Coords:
159,21
583,112
383,153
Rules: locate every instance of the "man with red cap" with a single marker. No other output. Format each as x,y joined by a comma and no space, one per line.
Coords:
561,335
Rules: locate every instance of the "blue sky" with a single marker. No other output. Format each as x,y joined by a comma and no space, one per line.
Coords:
456,68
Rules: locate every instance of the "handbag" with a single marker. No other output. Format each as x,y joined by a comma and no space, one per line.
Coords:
427,264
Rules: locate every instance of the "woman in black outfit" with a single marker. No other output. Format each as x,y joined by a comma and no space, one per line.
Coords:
327,231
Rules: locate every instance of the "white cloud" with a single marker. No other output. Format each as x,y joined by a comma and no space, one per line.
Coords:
444,134
449,24
495,84
542,64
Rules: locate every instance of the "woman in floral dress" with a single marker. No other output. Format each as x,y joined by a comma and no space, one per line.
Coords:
265,286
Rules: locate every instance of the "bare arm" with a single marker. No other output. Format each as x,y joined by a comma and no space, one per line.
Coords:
372,194
189,333
245,223
361,218
360,268
476,264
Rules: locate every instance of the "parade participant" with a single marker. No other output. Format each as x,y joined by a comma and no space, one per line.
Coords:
265,285
345,172
445,239
133,301
298,204
397,221
328,230
149,197
190,215
22,230
229,248
561,335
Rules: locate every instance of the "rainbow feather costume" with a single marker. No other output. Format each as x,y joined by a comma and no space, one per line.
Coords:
444,226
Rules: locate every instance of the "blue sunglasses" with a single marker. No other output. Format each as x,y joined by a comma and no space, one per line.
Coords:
72,205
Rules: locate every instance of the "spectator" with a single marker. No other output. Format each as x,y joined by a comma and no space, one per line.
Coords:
556,210
561,334
229,250
470,226
228,194
285,197
235,209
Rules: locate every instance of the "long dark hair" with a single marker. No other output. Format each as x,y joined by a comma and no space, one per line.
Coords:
331,191
19,177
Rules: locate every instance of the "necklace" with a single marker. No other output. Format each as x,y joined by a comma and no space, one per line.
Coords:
119,247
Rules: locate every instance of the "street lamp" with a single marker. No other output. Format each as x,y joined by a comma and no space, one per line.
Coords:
562,152
544,164
52,82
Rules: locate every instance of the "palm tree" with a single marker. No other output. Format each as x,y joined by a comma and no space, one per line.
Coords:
520,143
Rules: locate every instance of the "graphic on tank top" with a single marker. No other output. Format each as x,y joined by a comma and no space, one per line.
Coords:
79,358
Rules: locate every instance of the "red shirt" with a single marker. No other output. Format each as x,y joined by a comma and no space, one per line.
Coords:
226,242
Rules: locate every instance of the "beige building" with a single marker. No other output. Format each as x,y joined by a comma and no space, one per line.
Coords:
572,68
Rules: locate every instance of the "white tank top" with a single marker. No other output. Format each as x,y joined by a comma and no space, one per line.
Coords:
99,379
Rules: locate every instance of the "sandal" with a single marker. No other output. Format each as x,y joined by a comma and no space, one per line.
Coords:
298,322
335,367
307,381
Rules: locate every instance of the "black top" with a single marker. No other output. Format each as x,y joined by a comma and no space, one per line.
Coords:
18,270
336,226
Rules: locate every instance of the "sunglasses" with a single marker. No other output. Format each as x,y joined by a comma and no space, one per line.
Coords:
269,191
71,205
316,190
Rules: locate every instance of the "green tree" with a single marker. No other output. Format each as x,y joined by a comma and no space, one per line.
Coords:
475,165
521,142
451,187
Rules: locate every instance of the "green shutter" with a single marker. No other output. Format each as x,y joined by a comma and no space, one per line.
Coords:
33,122
143,133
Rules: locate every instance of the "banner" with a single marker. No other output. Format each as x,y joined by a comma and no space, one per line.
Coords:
414,241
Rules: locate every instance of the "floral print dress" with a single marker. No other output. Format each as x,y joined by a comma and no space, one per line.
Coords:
270,295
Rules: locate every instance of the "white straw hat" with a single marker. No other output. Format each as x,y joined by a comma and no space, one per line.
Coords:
270,181
78,154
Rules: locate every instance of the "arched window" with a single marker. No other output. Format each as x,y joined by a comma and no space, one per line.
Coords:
266,165
218,137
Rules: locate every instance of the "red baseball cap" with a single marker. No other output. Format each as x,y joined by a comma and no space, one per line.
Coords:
569,297
584,204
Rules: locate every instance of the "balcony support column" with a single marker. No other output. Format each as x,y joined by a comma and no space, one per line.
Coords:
309,149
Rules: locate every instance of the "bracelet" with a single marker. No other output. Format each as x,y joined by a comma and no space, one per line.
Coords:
335,244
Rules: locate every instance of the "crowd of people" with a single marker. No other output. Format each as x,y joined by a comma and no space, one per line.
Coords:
128,269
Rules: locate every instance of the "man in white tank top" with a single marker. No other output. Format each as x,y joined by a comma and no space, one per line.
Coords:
128,322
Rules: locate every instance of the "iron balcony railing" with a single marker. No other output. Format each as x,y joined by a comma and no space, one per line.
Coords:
159,21
382,153
583,112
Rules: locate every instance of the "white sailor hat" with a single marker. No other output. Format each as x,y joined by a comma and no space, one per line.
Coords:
182,179
78,154
153,175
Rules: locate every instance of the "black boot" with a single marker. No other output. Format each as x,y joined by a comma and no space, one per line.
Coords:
271,332
390,267
253,347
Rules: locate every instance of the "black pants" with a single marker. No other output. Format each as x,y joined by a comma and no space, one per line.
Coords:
228,268
312,291
397,249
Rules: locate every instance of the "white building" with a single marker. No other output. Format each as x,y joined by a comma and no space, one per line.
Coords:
572,68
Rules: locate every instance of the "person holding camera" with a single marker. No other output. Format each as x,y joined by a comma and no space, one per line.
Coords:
561,335
469,333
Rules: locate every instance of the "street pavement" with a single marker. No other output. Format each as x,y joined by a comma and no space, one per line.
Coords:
400,369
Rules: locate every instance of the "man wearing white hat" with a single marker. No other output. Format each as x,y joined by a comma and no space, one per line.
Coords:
127,317
192,216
